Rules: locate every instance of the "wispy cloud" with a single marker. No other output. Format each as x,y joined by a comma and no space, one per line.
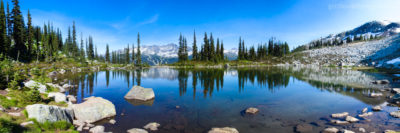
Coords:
153,19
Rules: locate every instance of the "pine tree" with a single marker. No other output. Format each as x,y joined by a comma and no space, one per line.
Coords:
139,56
107,54
133,53
180,48
240,51
127,58
9,29
74,43
211,54
20,50
30,33
217,56
91,51
205,50
82,50
194,53
222,51
3,31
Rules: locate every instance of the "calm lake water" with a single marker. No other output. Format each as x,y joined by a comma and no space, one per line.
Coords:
210,98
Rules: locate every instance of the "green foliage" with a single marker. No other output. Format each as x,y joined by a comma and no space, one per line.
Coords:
7,103
7,126
24,97
53,126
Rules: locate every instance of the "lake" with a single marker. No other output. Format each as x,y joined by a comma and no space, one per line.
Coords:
195,100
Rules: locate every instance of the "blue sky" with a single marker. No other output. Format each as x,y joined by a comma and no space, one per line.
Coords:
160,22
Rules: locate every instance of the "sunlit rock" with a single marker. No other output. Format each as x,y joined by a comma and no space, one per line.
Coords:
340,115
223,130
93,109
153,126
43,113
140,93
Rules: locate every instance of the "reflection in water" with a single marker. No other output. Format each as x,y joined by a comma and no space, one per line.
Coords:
272,78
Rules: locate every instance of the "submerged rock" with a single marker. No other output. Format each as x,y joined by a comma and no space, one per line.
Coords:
32,85
303,128
347,131
140,93
395,90
330,130
97,129
395,98
340,115
365,114
251,110
373,95
395,114
136,130
43,113
58,97
377,108
351,119
223,130
93,109
339,122
364,110
153,126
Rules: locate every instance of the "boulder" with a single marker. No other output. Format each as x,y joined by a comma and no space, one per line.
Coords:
43,113
97,129
385,81
304,128
223,130
373,94
71,98
93,109
340,115
351,119
32,84
251,110
136,130
395,90
60,89
153,126
365,114
395,114
140,93
377,108
58,97
330,130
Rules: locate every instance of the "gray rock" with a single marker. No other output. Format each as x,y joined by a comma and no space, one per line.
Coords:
364,110
395,114
67,86
71,98
24,124
377,108
330,130
340,115
136,130
153,126
373,95
43,113
223,130
32,85
365,114
339,122
97,129
52,74
112,121
395,90
58,97
93,109
140,93
61,89
347,131
351,119
362,130
251,110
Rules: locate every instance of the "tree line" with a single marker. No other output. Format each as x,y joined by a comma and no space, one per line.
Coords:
273,48
124,56
26,42
209,51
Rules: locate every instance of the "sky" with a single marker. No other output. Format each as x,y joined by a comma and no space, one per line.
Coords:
159,22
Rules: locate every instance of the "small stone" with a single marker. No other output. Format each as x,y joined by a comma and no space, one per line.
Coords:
136,130
347,131
340,115
365,114
71,98
251,110
330,130
339,122
177,107
153,126
112,121
97,129
377,108
23,124
16,114
395,114
351,119
365,110
374,95
223,130
395,90
361,129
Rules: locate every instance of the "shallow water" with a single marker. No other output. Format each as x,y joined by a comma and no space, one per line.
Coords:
210,98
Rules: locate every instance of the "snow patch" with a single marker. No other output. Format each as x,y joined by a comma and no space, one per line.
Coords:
394,61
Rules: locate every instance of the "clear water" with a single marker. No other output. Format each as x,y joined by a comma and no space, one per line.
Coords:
210,98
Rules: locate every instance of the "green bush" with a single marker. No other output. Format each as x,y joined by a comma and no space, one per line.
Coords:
7,126
6,103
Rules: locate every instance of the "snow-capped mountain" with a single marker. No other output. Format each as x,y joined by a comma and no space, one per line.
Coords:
165,54
373,28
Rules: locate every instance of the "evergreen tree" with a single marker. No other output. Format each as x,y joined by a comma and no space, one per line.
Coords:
30,33
205,50
91,51
221,54
127,58
107,54
3,31
211,54
217,51
82,50
194,53
139,56
20,50
240,52
133,53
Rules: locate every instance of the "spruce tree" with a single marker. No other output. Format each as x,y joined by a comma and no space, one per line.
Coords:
205,48
222,51
240,51
127,58
20,50
139,56
217,51
3,31
194,53
133,53
82,50
211,54
30,33
107,54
